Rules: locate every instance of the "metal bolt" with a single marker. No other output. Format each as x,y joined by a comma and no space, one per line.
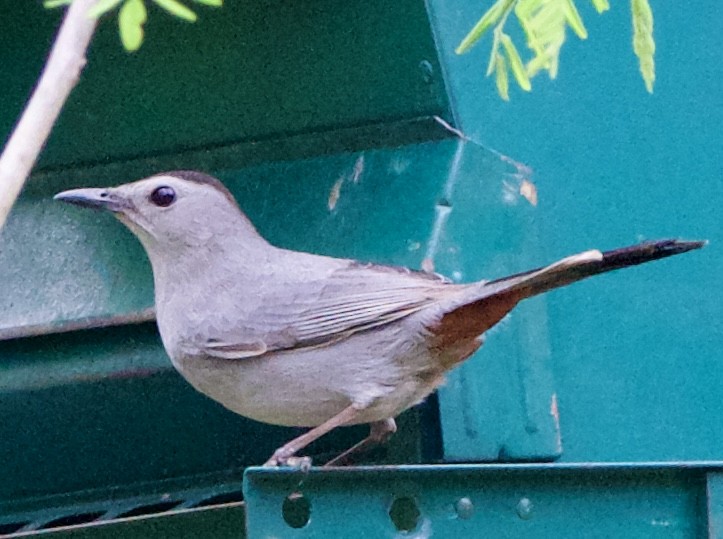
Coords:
524,508
464,508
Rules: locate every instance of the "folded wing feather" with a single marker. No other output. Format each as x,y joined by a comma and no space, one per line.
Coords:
354,299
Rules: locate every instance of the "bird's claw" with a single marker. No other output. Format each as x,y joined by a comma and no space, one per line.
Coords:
283,458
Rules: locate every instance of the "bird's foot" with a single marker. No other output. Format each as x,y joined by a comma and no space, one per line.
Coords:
286,458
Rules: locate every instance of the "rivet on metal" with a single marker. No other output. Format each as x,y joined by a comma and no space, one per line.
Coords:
524,508
464,508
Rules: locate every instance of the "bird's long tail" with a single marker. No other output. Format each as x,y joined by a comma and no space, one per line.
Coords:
581,266
492,300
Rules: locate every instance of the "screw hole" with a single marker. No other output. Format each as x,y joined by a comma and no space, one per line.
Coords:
404,514
296,510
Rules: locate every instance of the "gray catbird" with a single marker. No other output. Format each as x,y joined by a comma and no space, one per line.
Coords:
303,340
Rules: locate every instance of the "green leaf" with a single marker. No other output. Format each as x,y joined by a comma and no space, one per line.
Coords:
503,83
491,16
525,8
532,41
554,63
212,3
518,70
176,8
574,20
643,42
102,6
494,51
601,5
543,26
493,60
50,4
131,18
549,17
544,23
538,63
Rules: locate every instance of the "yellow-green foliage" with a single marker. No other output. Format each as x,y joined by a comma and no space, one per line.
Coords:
643,42
132,15
545,24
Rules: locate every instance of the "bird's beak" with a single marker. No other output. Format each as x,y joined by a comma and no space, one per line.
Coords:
105,199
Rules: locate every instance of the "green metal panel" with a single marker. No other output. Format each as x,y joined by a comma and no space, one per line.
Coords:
272,80
251,71
714,493
529,500
400,206
75,417
210,502
225,522
342,98
209,523
92,285
518,501
413,204
636,356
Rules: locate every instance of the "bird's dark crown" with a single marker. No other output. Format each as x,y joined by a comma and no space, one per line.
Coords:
201,178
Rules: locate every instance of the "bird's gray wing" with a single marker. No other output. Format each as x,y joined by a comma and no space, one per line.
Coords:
354,298
358,297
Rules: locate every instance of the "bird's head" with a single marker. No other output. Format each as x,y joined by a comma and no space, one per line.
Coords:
172,211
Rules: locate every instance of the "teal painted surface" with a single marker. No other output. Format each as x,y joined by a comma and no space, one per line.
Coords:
636,358
398,206
163,509
75,416
248,72
90,285
484,501
457,206
633,359
117,420
52,277
714,491
212,523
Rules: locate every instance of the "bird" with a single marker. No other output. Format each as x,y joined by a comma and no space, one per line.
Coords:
306,340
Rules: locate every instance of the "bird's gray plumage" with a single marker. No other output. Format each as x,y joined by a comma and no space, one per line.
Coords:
299,339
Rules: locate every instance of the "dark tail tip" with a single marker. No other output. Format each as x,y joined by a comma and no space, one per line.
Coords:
650,250
674,247
578,267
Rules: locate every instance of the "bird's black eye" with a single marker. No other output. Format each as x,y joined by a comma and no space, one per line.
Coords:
163,196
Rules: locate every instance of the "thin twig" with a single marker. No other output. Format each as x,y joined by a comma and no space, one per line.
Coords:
61,73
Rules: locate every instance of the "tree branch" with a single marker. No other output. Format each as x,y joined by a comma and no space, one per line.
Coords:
61,74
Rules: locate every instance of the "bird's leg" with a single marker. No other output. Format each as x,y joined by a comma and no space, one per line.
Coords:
379,433
286,451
